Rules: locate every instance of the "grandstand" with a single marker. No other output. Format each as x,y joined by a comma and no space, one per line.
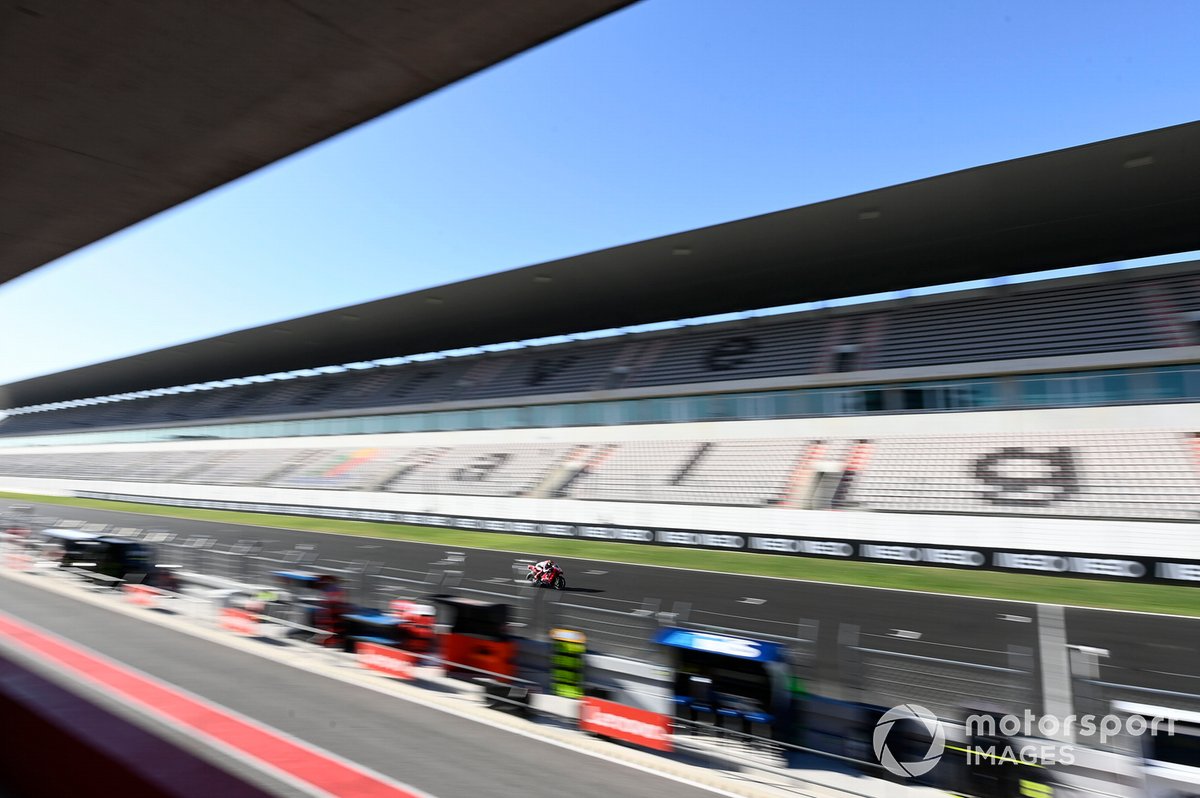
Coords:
1154,310
1056,409
1146,474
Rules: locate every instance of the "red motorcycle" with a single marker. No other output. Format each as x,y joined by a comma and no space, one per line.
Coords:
550,577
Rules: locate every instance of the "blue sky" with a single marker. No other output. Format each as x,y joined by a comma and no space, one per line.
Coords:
669,115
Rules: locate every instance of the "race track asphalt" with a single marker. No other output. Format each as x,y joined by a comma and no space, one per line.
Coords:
1151,651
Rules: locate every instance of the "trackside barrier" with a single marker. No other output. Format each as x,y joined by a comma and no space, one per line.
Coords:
390,661
499,690
13,554
239,621
16,556
630,724
18,562
143,595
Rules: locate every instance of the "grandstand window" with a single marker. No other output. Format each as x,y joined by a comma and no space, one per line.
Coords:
1170,383
948,396
553,415
449,420
1193,381
600,413
912,399
746,405
640,411
719,406
630,412
1086,390
540,416
796,403
499,418
412,423
609,413
374,424
975,394
651,411
874,400
817,402
1062,390
1116,387
840,402
583,414
1034,391
1073,390
679,409
753,405
1161,384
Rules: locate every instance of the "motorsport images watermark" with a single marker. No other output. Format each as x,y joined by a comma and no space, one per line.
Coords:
908,766
905,758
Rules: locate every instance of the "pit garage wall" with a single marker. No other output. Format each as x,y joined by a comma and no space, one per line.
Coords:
69,744
1119,549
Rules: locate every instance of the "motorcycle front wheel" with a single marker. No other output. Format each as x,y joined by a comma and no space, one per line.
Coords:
560,583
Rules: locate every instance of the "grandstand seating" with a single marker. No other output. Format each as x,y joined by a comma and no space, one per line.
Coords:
1134,474
1126,312
1144,474
248,467
1063,321
768,349
558,369
480,470
690,472
343,469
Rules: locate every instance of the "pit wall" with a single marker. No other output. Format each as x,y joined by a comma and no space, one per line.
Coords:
70,745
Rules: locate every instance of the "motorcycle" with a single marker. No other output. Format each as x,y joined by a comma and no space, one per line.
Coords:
552,578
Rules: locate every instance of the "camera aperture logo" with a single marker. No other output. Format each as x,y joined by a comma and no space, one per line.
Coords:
1025,739
908,767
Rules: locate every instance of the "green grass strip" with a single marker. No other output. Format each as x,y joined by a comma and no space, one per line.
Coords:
1170,599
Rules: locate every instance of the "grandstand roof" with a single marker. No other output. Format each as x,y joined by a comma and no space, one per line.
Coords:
1123,198
116,111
